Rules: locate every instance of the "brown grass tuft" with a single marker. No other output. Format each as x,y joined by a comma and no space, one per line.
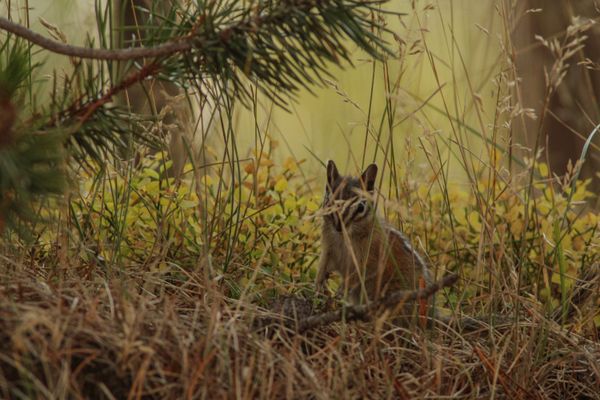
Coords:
113,339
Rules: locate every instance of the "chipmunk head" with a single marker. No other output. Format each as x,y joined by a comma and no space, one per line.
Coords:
348,202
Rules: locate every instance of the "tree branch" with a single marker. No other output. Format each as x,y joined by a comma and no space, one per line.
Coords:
364,311
131,53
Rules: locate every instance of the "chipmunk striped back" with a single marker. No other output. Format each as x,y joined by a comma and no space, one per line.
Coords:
372,257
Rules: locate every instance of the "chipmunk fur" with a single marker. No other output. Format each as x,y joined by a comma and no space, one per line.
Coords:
372,257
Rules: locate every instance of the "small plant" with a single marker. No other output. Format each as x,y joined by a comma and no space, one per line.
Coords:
260,232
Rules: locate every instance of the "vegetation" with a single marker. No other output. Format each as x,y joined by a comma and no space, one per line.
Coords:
118,280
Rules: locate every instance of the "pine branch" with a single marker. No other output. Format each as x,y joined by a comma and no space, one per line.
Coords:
133,53
281,45
93,127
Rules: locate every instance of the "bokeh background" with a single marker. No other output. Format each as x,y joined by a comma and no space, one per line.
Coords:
463,39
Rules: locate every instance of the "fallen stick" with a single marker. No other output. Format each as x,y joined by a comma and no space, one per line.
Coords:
364,311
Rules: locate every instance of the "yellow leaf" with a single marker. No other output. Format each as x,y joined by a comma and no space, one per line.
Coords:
474,221
153,188
290,164
460,218
581,193
546,227
207,180
549,192
132,217
290,203
161,268
266,162
249,167
544,208
187,168
312,206
578,243
277,209
543,168
166,165
281,185
516,228
149,172
185,204
545,294
422,192
437,198
566,242
556,277
307,227
262,175
165,201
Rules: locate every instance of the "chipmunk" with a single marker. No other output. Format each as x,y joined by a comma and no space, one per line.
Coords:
372,257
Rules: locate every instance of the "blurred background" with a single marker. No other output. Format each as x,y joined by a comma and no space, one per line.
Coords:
450,54
462,66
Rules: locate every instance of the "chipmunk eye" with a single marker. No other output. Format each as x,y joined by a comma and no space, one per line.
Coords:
361,207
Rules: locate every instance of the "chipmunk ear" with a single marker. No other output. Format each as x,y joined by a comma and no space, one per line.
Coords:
368,177
332,174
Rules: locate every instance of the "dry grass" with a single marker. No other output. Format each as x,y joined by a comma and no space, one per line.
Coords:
115,338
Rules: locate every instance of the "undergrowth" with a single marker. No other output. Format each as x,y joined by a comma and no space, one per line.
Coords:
262,231
142,301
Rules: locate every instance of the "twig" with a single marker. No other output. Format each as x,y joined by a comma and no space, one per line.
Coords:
145,72
130,53
364,311
85,110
